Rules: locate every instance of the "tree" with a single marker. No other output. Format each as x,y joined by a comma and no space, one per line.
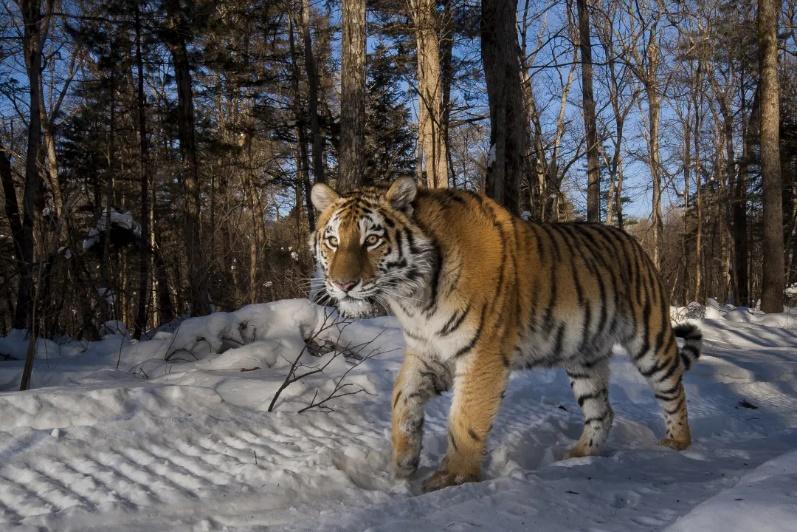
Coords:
311,68
351,173
35,33
508,130
176,37
144,177
593,172
774,264
431,108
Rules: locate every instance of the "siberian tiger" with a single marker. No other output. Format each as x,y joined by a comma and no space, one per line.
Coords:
479,292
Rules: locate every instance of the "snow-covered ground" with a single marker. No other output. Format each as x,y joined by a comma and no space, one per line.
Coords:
174,433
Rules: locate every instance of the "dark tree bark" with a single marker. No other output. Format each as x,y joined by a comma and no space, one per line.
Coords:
143,173
35,33
11,205
352,97
508,130
774,261
303,177
177,41
312,97
593,173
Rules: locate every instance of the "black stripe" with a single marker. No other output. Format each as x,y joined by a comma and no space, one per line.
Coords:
686,361
453,281
396,400
691,351
673,365
560,334
538,239
677,407
472,434
594,395
410,334
453,441
597,418
476,336
578,376
594,362
437,271
454,321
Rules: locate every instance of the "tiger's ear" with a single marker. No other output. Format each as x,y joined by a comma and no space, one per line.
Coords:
401,193
322,196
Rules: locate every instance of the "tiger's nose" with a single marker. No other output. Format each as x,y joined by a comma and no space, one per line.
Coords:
346,285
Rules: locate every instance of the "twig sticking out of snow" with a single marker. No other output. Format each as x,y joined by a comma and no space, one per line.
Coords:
331,319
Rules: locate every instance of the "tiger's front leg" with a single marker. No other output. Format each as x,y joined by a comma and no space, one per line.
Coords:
418,380
478,388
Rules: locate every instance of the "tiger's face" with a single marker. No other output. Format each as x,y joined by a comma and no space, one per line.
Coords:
368,247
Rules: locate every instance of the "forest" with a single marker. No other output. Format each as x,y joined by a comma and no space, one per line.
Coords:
156,157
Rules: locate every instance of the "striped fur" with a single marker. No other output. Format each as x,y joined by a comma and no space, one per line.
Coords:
479,292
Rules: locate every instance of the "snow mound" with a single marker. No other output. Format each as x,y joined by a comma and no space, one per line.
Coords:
193,430
763,500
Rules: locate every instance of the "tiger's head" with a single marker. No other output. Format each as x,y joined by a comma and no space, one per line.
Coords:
368,245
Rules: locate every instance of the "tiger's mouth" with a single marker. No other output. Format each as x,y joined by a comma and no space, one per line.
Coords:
351,307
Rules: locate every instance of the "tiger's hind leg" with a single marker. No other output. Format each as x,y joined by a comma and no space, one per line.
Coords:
664,370
590,384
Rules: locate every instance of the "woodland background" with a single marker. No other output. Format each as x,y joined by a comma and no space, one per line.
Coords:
156,156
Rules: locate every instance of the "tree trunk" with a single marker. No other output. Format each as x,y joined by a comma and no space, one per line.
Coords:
52,169
197,272
593,172
774,264
13,215
352,97
698,198
303,172
508,130
687,169
446,79
654,112
145,255
312,96
430,92
33,198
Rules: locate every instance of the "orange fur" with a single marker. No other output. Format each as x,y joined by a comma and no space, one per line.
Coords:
479,292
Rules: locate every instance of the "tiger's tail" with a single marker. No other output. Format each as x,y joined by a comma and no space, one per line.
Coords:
693,340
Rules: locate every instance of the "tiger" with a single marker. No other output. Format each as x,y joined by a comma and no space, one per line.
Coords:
479,292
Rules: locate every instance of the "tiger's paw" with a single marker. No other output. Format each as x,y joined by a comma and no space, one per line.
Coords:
404,467
678,445
581,450
442,478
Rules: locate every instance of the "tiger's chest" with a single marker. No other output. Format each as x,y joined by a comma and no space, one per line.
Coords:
435,335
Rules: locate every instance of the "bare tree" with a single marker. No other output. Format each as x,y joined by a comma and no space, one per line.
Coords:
352,96
431,109
178,46
645,54
35,33
312,96
508,130
145,258
774,263
588,100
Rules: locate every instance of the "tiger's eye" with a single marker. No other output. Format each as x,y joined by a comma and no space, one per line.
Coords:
332,241
371,240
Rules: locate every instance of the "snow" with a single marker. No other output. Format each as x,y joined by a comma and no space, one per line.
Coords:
174,433
123,220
